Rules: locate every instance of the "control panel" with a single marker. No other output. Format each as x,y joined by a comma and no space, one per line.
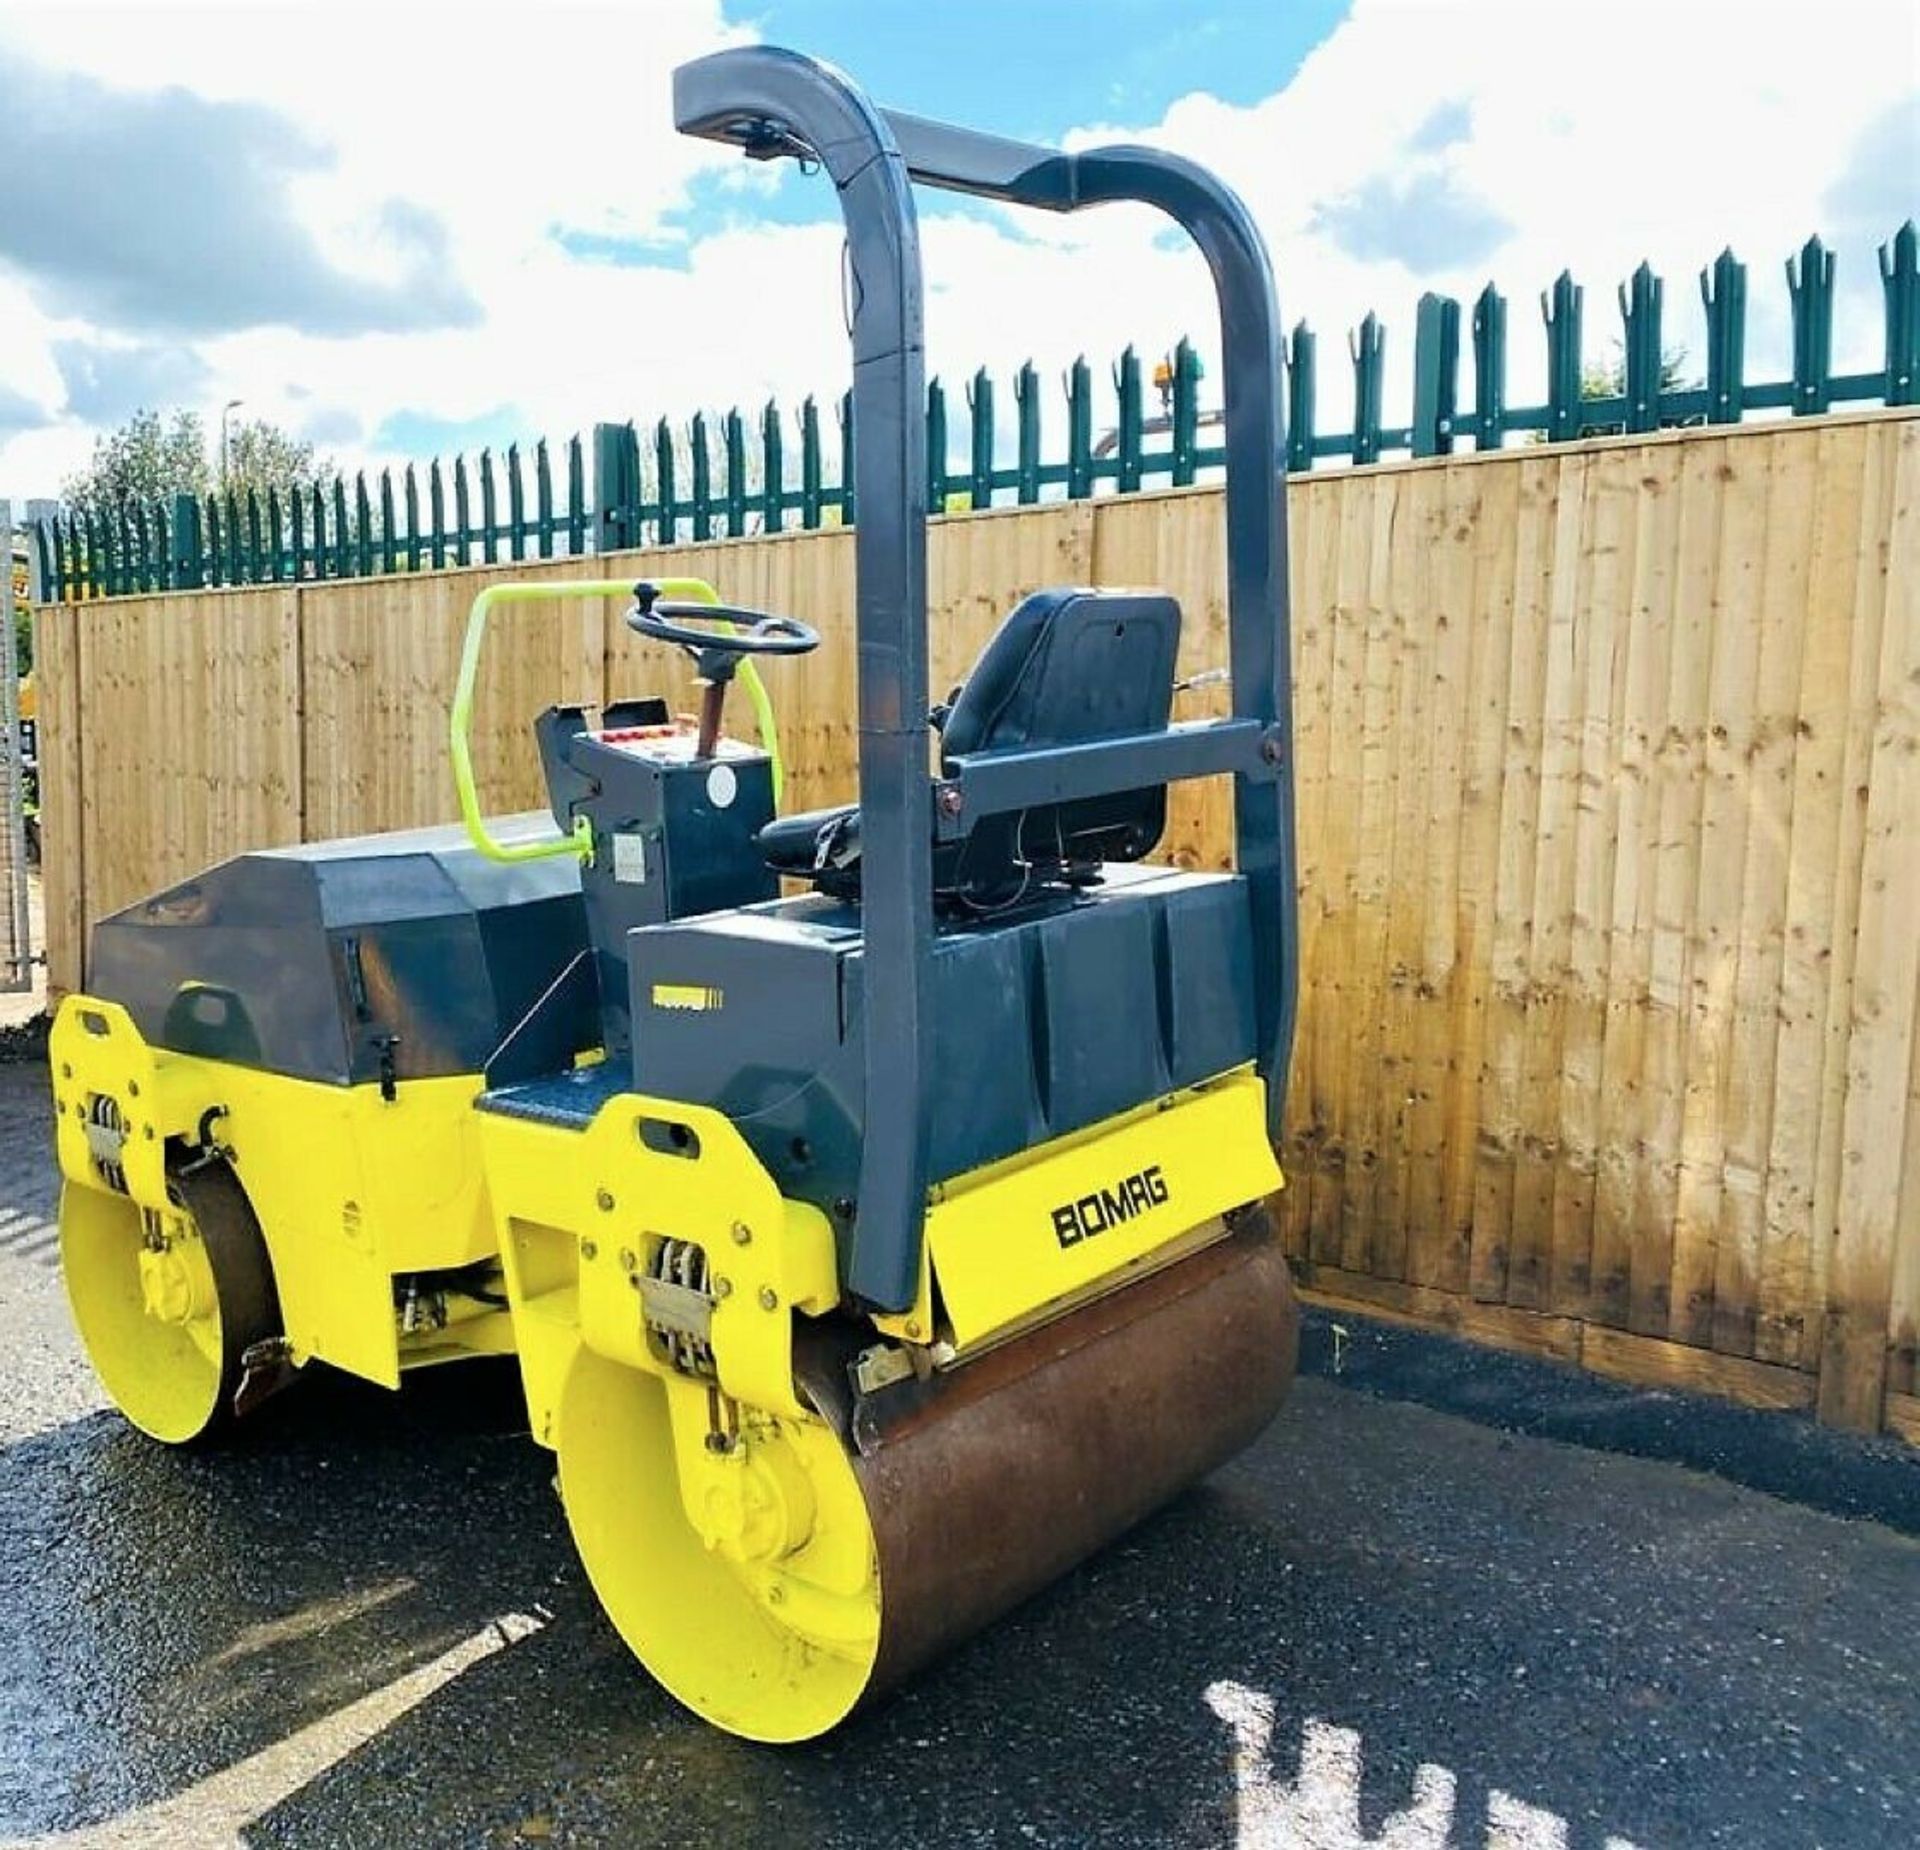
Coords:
674,833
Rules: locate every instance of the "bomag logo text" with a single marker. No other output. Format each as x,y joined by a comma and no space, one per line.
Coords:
1074,1221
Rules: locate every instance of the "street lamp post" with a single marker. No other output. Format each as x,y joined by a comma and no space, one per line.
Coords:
232,405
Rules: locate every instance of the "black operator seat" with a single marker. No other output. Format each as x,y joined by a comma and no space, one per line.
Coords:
1065,667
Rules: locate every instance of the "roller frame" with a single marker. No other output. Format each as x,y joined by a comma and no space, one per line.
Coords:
829,1438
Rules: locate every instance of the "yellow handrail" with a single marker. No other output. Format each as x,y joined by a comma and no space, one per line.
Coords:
460,723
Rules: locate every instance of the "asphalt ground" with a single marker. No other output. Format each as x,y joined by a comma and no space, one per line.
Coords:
1452,1597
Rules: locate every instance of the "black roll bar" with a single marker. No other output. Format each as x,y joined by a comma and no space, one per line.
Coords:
773,103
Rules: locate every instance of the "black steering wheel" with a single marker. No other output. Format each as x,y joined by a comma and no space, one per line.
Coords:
716,652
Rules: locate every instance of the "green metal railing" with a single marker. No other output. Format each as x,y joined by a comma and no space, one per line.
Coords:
714,479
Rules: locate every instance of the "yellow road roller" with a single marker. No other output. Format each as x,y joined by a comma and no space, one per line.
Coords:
873,1198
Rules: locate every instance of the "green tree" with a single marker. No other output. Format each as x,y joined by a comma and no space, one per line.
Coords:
261,455
147,459
152,458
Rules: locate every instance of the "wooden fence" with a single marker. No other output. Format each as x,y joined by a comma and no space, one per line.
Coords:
1608,763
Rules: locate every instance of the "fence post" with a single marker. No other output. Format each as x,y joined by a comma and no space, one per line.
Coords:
388,556
186,570
1185,412
700,460
1436,373
489,510
543,496
616,487
1900,279
1810,283
667,528
44,588
846,459
1489,369
735,436
236,534
1640,321
1723,293
809,463
1300,387
516,506
1129,416
700,469
1368,346
216,543
1079,430
1026,406
576,497
936,447
980,439
296,533
125,563
317,501
342,531
462,512
1560,309
773,470
363,523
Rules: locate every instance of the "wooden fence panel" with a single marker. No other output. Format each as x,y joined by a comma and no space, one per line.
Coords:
1853,1372
1769,744
189,740
1314,511
1792,1270
1607,765
378,661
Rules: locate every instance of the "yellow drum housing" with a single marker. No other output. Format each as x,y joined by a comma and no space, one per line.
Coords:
783,1506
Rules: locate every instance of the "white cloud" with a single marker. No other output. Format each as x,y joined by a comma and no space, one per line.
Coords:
1524,137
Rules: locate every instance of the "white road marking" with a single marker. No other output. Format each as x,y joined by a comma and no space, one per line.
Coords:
214,1812
318,1616
29,1237
1320,1809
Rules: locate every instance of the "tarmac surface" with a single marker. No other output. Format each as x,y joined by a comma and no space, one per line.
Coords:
1451,1598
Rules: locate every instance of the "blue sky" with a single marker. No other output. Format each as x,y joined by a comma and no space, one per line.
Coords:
1036,68
1034,71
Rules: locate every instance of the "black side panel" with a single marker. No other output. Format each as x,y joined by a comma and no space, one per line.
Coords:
1102,1048
1205,961
987,1095
1081,1008
344,961
246,937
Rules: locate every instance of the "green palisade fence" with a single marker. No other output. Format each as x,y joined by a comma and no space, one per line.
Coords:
677,482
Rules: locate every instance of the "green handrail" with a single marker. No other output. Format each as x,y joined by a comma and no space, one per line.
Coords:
460,723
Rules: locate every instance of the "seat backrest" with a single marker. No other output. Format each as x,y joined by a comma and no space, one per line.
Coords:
1070,665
